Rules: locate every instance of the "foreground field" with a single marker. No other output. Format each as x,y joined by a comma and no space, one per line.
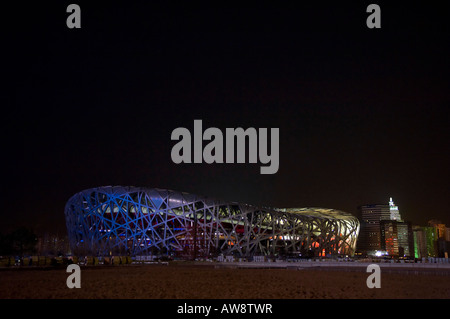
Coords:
202,282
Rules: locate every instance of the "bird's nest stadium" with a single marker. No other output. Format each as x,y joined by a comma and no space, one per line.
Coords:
148,221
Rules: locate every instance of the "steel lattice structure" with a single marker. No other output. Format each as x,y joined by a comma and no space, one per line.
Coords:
143,221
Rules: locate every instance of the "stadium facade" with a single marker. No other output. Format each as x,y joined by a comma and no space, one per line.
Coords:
148,221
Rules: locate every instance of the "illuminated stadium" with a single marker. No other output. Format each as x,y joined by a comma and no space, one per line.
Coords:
116,220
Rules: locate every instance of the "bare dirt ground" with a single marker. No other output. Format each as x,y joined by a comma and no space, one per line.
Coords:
201,282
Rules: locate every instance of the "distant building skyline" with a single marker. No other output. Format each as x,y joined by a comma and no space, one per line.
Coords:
383,231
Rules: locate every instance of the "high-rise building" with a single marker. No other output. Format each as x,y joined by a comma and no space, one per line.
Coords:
426,240
405,239
438,226
369,241
442,242
395,213
430,241
420,243
389,237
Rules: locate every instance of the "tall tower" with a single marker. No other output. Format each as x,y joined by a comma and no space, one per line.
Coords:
395,213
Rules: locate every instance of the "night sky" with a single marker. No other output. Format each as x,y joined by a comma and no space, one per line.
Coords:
362,113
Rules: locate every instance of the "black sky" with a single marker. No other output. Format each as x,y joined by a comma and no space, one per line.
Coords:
363,113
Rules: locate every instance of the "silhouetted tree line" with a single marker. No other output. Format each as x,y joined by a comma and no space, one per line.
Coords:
21,241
